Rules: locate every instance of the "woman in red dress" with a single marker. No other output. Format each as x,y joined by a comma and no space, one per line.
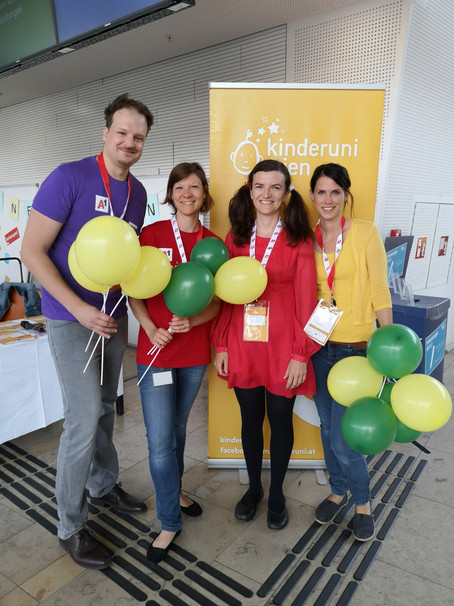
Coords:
267,373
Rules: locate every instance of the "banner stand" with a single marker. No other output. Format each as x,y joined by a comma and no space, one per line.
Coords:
318,466
303,126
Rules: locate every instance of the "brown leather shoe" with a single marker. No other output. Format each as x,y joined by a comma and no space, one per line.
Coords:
86,551
121,501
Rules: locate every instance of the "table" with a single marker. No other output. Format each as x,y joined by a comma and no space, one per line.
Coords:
30,394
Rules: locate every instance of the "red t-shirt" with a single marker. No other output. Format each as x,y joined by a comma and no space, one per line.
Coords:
186,349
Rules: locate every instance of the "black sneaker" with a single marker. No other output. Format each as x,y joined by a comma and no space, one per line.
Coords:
363,526
327,510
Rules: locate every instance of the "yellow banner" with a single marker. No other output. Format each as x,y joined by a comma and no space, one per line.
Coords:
302,127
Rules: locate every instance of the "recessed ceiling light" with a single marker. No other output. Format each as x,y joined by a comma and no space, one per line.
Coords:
178,7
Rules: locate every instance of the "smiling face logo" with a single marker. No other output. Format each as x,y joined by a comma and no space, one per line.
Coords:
246,155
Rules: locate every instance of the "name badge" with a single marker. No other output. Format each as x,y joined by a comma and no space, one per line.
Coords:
102,204
322,322
162,378
168,252
256,321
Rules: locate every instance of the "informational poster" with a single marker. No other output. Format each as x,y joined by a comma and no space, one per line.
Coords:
15,205
435,348
303,127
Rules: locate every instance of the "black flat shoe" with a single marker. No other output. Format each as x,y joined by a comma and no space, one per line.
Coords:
363,526
277,521
327,510
156,554
194,510
245,513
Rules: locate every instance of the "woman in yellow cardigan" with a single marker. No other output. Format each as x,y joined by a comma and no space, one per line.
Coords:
352,275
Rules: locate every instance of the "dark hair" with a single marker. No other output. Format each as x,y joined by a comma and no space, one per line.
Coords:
337,173
123,101
242,212
180,172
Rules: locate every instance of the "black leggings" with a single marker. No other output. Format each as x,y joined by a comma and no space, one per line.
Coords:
253,403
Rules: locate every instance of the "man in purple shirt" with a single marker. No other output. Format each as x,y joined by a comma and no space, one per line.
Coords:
71,195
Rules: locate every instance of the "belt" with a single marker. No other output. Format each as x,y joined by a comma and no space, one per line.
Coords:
357,345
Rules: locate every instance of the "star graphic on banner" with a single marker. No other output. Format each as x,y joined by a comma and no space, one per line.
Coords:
261,131
273,128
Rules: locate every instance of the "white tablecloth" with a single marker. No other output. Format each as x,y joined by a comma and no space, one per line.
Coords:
30,395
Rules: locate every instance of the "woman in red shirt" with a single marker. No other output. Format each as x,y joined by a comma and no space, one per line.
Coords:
170,387
268,374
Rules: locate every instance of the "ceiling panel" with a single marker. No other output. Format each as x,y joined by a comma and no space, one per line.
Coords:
207,23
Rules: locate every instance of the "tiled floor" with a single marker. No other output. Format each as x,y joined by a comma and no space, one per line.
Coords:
413,563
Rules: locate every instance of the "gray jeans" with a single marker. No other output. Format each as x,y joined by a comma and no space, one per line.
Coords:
87,456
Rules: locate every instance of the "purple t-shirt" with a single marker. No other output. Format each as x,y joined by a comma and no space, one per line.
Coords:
72,195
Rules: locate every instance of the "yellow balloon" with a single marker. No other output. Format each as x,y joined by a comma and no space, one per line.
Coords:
107,250
79,275
421,402
151,275
353,378
240,280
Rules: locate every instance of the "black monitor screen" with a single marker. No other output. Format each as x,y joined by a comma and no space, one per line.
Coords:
79,17
26,28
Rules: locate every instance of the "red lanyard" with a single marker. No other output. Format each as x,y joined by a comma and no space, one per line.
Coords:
105,180
328,268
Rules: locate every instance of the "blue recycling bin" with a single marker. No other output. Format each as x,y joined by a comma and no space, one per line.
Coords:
428,318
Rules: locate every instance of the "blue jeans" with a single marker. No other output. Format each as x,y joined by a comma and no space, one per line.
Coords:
87,455
32,300
166,410
347,468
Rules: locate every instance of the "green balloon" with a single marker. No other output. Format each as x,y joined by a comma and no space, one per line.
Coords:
394,350
210,252
403,433
369,425
386,392
190,289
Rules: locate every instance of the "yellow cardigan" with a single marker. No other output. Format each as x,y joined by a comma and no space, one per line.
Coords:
360,282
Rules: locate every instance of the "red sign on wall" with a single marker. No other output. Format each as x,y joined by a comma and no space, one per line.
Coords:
12,236
421,248
443,246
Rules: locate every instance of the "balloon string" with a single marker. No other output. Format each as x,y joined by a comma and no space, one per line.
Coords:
102,359
154,350
106,294
382,386
384,383
421,447
101,337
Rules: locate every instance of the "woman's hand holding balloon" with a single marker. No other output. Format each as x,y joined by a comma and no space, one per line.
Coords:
181,324
159,337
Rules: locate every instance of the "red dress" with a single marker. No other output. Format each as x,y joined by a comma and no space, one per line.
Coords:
187,348
292,294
